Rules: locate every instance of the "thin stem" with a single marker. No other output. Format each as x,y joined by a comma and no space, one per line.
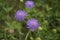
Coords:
5,34
27,35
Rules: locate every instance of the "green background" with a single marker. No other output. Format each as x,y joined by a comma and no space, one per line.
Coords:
47,12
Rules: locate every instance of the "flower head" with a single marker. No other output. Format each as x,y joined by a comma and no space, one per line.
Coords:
32,24
20,15
29,4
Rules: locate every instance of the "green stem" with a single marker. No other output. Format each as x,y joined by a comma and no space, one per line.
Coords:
5,35
27,35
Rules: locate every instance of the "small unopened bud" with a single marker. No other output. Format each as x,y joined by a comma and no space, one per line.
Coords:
10,30
31,38
21,0
54,30
40,28
38,38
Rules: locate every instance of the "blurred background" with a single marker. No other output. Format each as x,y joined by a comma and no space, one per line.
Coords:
47,12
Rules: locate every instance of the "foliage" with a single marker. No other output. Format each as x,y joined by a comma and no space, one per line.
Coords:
47,12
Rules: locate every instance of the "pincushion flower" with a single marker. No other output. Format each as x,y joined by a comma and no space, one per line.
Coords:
20,15
32,24
29,4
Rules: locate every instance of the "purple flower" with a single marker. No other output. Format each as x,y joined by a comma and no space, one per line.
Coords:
32,24
29,4
20,15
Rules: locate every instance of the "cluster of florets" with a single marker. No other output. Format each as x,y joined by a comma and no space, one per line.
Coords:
21,15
